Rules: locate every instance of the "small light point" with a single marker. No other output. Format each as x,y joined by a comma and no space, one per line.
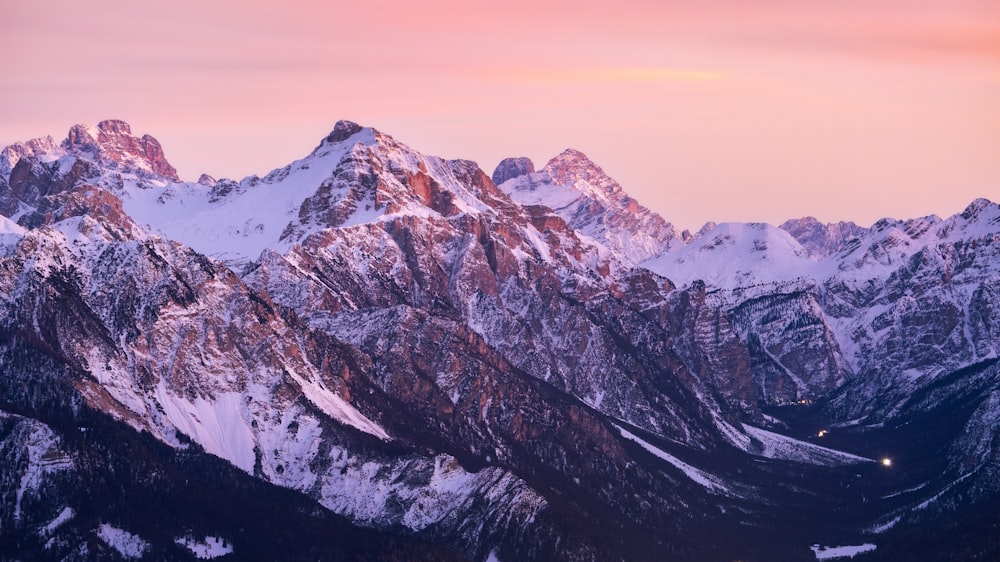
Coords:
886,461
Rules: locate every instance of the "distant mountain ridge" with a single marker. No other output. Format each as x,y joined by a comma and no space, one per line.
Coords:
590,202
541,369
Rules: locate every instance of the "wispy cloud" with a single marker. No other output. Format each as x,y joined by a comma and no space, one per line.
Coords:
611,75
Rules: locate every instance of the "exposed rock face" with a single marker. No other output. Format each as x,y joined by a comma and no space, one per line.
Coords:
113,140
10,155
342,131
207,180
510,168
593,204
32,180
33,170
820,239
792,349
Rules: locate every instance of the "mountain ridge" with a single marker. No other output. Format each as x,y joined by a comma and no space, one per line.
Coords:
408,345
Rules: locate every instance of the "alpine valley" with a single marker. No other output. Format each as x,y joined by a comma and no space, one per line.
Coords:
373,354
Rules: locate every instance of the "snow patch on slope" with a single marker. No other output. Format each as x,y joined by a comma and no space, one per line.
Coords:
595,206
217,425
776,446
734,255
336,407
418,493
43,458
10,234
831,552
240,226
211,547
64,516
698,476
126,543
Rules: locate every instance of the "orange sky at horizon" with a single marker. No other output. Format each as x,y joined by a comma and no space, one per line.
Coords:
714,110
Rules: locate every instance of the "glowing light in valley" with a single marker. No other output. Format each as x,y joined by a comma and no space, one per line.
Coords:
886,461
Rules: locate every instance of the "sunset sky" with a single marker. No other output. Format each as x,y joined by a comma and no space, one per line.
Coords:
703,110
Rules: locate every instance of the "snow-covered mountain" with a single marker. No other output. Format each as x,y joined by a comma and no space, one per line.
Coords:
590,202
417,363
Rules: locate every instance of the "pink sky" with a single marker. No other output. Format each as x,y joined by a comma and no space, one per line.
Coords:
703,110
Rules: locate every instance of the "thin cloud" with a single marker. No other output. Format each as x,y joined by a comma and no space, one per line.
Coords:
613,76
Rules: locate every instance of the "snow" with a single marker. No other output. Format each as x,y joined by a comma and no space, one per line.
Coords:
417,492
934,498
292,450
906,491
126,543
10,234
336,407
733,255
830,552
540,246
539,189
732,434
699,476
65,515
883,527
244,223
256,213
591,203
9,227
777,446
218,425
449,485
211,547
43,458
742,255
492,557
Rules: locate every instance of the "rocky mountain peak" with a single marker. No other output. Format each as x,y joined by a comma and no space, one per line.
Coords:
112,140
821,239
976,207
207,180
591,202
10,155
343,130
572,166
510,168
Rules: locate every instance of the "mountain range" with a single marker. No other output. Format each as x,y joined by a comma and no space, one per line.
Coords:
376,354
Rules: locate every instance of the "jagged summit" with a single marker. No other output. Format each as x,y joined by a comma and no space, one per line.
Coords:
51,167
820,239
510,168
590,201
572,166
112,139
343,130
977,207
42,147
